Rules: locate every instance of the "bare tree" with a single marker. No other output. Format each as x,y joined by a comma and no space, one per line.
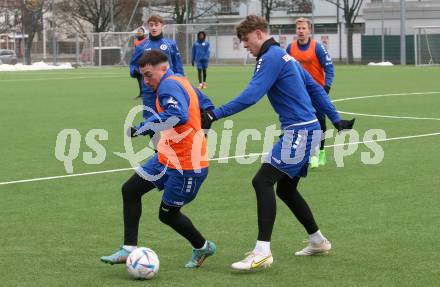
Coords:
180,13
350,9
25,16
11,13
297,6
266,8
85,16
80,13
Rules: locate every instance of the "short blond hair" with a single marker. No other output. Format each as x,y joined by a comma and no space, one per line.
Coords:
304,20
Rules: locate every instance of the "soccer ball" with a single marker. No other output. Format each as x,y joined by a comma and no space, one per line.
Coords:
143,263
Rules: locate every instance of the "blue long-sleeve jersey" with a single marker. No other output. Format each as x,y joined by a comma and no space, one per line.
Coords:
167,46
324,59
200,51
174,100
289,87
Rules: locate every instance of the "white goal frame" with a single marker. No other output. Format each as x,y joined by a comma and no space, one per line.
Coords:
432,56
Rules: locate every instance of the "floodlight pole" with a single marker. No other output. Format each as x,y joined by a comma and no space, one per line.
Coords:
44,38
313,19
382,36
338,22
186,29
54,40
402,32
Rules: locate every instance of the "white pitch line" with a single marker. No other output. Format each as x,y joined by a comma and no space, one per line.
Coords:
56,79
213,159
251,154
64,176
384,95
391,117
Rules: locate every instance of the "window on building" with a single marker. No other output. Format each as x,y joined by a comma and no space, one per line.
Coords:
228,7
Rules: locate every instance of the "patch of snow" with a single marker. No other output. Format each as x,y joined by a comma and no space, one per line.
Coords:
37,66
380,64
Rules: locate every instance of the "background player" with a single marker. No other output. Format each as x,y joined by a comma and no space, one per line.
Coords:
200,55
139,38
183,162
317,61
291,91
156,41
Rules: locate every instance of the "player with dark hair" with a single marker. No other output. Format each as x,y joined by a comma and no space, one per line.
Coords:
200,56
180,165
291,91
314,57
155,41
140,37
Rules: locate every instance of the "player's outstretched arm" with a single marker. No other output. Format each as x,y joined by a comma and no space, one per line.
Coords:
205,102
266,73
322,102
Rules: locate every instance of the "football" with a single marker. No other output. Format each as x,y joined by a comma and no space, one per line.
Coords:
143,263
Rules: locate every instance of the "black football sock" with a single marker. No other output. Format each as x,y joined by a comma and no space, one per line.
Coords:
199,72
287,191
139,79
323,125
132,192
204,75
263,183
171,216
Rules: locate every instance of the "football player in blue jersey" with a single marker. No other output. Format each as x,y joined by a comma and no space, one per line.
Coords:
200,56
155,41
292,93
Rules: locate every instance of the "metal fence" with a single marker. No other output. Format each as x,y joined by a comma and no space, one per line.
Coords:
116,48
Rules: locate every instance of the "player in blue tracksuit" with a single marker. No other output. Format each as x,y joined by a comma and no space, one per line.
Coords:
155,41
291,92
200,56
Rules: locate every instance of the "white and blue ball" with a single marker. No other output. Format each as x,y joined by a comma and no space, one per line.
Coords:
143,263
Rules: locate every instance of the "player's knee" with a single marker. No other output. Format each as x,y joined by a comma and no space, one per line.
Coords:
125,190
281,193
164,217
260,181
167,214
256,181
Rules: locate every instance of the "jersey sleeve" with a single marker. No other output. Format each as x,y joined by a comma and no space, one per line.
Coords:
318,96
176,60
266,73
175,105
326,62
134,67
288,49
205,103
208,50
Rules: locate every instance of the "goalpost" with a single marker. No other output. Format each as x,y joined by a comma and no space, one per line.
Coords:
427,45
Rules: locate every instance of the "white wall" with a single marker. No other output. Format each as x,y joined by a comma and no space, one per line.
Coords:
224,46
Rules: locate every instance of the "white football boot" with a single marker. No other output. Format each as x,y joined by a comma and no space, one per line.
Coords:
311,249
253,261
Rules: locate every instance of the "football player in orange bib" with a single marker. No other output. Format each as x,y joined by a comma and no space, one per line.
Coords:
180,165
315,58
